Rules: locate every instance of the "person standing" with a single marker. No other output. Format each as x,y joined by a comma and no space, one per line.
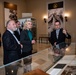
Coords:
18,31
17,34
57,40
58,35
11,46
26,39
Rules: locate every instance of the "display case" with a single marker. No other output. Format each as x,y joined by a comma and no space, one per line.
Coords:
34,29
41,63
38,66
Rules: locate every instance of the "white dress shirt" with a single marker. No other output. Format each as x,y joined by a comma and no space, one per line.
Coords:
57,33
13,35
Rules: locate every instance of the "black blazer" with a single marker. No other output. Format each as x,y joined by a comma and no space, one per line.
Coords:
61,37
12,50
17,34
25,41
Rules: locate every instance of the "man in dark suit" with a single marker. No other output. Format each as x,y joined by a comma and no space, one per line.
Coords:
58,35
57,39
11,46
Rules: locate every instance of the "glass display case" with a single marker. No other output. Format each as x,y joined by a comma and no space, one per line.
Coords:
41,63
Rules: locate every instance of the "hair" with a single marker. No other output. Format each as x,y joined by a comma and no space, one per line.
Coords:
8,22
16,21
25,24
58,21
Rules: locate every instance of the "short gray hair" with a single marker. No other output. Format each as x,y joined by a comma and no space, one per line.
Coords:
8,22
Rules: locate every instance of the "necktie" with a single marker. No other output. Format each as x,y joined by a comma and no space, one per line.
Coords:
30,34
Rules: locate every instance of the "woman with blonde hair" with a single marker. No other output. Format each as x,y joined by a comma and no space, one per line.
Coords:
26,39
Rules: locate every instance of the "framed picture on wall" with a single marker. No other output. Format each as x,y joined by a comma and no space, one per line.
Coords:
10,11
55,12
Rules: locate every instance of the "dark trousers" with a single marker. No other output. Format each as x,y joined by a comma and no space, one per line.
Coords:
27,59
24,54
11,69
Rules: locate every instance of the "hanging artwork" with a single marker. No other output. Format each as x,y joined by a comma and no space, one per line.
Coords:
10,12
55,12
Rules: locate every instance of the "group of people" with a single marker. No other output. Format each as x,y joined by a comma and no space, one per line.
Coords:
17,43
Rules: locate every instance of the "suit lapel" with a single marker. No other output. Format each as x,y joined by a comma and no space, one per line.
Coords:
55,35
11,35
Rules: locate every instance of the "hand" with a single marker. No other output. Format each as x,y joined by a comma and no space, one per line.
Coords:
64,31
21,45
33,41
55,44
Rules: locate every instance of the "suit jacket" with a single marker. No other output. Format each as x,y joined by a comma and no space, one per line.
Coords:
61,37
25,41
12,50
17,34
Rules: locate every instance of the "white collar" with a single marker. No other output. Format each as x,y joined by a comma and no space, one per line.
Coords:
10,31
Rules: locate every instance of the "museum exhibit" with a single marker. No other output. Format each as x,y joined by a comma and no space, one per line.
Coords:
46,40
